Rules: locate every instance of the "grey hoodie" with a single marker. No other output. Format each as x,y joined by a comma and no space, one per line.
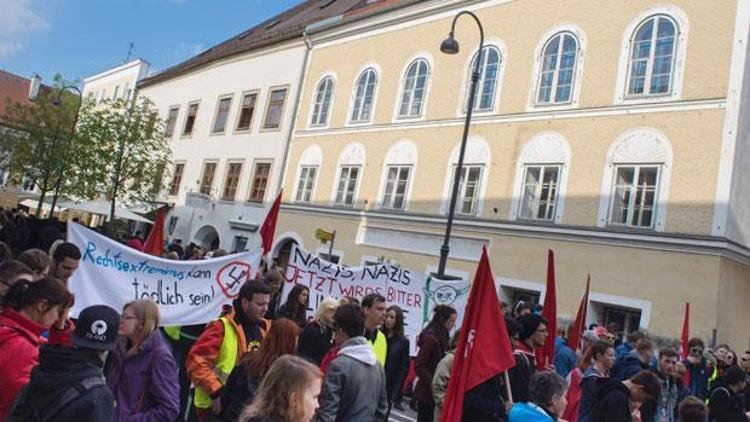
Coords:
354,385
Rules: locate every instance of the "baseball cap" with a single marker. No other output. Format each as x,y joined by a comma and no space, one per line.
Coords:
96,328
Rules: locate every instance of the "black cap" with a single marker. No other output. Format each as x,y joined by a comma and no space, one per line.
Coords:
96,328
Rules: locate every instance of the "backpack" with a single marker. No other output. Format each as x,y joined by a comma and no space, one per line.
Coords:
46,408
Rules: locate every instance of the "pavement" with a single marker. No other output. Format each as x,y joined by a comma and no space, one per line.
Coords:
407,415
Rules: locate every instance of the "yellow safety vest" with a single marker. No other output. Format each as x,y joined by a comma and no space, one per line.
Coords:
380,347
173,332
224,363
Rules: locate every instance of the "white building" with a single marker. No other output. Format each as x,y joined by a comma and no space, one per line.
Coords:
116,83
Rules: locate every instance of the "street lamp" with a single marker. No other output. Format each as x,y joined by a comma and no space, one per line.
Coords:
450,46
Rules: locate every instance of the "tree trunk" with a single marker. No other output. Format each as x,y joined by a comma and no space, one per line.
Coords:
113,201
54,197
39,204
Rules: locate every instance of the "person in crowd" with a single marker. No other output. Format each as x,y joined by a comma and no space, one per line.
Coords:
731,358
533,334
12,271
573,396
236,333
565,357
442,376
346,300
176,246
242,384
672,389
37,260
136,241
698,369
637,360
745,365
692,409
721,355
627,346
433,343
620,401
66,259
599,359
295,308
354,385
288,393
68,384
141,372
546,399
316,338
5,251
397,355
613,333
374,308
274,281
522,308
725,401
29,309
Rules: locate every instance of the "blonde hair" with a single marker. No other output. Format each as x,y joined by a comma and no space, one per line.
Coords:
148,315
327,304
288,376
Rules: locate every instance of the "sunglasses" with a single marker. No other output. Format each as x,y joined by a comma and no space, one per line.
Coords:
696,351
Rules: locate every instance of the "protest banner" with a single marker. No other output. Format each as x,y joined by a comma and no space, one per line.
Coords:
187,292
416,293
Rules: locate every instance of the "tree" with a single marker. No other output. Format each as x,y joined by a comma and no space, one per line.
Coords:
130,152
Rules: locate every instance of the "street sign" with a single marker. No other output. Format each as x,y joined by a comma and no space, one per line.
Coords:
323,236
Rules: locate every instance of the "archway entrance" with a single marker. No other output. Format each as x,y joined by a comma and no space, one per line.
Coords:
208,238
284,249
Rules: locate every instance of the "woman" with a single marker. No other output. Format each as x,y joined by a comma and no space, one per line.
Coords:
433,344
288,394
243,382
397,355
600,359
37,260
317,337
295,308
12,271
546,399
141,372
29,309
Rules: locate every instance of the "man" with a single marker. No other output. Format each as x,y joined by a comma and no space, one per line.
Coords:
637,360
224,342
176,246
354,385
66,259
619,401
68,384
745,365
522,308
698,369
627,346
374,307
672,390
565,357
725,401
273,280
533,334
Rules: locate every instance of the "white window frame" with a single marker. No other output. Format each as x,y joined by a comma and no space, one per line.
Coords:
556,72
477,153
239,111
397,116
461,197
390,200
352,102
221,98
633,188
314,123
463,100
340,201
538,188
301,191
650,61
115,92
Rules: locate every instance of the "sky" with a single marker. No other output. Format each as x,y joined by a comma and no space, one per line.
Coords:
79,38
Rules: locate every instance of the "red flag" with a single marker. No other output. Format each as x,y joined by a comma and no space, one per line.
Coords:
686,332
268,229
579,325
483,349
546,355
155,242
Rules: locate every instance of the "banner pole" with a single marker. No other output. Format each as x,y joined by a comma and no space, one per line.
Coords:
507,387
330,248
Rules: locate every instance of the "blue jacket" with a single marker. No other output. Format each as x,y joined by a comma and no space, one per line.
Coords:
622,350
588,391
528,412
697,377
628,366
565,358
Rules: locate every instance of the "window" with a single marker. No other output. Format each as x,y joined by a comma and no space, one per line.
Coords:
415,86
275,109
207,179
540,187
468,189
192,112
397,182
171,121
172,225
174,187
127,92
222,112
364,97
231,181
634,196
347,185
627,319
652,57
306,183
246,111
260,181
487,84
104,96
322,105
239,244
558,69
116,91
27,183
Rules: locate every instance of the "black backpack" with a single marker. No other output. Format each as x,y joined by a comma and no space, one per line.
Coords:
44,408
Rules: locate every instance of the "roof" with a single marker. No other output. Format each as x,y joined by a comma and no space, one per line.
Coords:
285,26
15,89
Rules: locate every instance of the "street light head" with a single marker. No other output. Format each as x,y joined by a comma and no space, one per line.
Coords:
34,84
449,45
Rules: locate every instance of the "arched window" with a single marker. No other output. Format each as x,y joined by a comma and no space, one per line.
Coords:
558,68
487,84
307,173
398,175
351,164
651,65
415,87
472,179
322,106
367,83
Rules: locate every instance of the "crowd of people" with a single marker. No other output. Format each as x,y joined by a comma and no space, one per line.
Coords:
267,358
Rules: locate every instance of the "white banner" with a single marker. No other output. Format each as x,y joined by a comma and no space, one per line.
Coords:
415,293
187,292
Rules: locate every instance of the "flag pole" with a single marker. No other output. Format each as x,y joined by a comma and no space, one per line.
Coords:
507,387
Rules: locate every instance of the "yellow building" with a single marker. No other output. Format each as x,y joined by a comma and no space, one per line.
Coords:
609,132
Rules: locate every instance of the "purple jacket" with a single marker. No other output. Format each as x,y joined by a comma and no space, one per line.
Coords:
145,386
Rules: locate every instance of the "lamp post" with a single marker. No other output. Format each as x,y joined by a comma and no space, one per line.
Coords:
450,46
34,88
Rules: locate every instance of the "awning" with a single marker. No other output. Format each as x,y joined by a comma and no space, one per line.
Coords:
103,208
32,204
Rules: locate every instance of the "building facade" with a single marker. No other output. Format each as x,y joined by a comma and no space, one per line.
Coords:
117,83
607,132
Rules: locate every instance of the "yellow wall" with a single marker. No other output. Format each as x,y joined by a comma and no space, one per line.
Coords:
733,307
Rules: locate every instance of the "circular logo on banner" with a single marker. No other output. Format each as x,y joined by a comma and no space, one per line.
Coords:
445,295
98,328
231,277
